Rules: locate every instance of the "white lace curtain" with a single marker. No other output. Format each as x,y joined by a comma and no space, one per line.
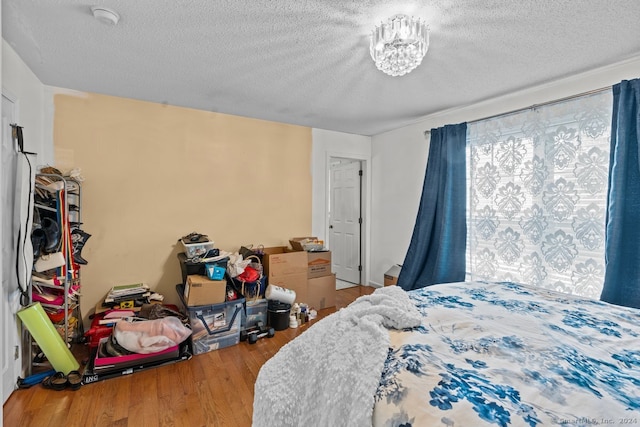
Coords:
538,186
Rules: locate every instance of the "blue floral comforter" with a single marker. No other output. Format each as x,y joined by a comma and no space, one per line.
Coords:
506,354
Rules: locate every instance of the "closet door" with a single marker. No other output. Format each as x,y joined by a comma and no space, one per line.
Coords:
11,362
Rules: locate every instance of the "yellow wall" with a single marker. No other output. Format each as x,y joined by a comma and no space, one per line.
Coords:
154,173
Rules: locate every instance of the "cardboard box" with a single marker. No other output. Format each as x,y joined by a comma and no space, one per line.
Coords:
302,272
296,242
305,243
200,290
391,276
288,269
318,264
279,262
322,292
295,282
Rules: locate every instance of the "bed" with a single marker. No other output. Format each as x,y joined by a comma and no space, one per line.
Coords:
460,354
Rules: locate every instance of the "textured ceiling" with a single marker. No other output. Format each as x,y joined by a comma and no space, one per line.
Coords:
307,62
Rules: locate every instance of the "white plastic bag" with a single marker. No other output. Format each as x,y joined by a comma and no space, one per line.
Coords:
150,336
236,264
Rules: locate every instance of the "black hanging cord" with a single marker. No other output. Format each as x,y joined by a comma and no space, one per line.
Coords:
24,288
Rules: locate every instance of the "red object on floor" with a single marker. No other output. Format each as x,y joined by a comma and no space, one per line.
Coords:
97,331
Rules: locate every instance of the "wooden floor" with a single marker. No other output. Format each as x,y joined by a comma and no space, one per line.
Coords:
211,389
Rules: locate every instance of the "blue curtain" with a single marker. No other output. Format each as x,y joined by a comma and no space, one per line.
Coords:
437,250
622,248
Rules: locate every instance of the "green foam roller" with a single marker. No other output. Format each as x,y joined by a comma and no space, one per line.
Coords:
49,340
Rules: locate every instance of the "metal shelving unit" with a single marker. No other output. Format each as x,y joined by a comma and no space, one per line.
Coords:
67,192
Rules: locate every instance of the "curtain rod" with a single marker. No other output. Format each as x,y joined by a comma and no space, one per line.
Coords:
534,106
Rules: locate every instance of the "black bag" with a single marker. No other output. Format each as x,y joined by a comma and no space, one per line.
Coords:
248,251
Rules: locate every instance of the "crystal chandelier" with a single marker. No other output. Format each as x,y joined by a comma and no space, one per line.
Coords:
398,46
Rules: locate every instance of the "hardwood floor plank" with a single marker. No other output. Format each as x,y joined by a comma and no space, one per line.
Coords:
105,415
166,380
172,411
211,389
183,378
145,389
210,396
120,394
196,410
241,386
252,363
235,390
57,418
82,410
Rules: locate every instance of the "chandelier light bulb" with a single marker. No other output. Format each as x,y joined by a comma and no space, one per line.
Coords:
398,45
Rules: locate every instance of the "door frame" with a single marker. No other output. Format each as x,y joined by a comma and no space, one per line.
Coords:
365,206
336,163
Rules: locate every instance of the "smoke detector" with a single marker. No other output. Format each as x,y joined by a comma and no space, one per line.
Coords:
104,15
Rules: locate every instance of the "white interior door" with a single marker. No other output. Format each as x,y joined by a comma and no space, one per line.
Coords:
345,219
11,363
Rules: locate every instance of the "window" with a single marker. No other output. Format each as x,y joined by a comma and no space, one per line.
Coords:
537,195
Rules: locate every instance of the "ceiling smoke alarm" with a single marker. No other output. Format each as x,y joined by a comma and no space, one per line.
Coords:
104,15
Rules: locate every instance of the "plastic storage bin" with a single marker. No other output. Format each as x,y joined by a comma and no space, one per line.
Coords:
216,342
187,267
214,326
255,312
197,249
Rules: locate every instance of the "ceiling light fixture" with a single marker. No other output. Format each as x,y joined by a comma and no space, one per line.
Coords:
104,15
398,46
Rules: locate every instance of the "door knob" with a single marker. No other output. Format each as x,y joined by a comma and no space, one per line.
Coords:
331,226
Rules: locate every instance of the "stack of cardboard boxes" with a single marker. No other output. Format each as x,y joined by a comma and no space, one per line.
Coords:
307,273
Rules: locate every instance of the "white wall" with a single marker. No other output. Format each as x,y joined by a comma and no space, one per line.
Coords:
400,157
22,87
18,81
399,160
327,144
